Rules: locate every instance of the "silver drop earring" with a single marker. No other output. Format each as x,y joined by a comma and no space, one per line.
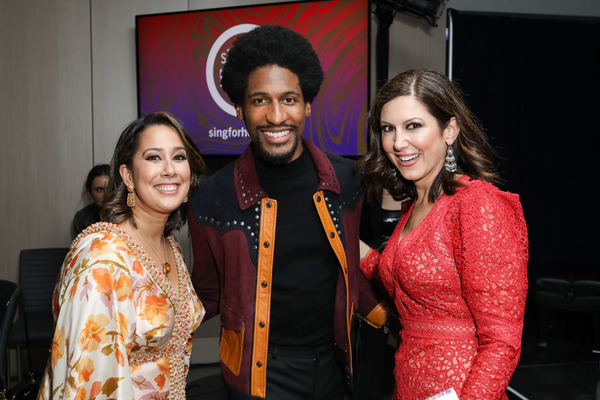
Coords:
450,163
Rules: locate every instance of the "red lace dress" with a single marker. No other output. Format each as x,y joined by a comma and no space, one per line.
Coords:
459,283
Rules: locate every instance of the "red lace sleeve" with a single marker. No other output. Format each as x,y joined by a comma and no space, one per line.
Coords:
369,263
493,251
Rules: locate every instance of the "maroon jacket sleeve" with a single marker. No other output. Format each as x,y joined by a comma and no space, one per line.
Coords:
205,274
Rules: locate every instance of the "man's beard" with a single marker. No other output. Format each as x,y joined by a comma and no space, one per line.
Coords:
277,158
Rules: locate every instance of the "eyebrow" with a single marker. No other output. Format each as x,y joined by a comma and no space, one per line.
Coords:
286,93
160,149
411,119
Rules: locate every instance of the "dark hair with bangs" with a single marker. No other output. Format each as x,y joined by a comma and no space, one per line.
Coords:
115,207
443,100
271,45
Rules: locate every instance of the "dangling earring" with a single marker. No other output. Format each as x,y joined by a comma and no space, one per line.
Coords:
185,200
450,163
130,197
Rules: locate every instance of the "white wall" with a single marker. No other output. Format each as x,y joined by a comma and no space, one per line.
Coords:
67,73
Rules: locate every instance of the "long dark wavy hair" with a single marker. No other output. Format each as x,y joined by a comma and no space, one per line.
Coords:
443,100
115,207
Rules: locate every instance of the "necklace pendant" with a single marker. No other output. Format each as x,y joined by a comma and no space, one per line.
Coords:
166,268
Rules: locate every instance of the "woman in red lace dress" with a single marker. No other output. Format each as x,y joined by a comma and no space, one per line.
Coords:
456,264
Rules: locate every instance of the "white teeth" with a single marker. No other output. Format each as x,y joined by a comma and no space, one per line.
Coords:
277,134
409,158
167,188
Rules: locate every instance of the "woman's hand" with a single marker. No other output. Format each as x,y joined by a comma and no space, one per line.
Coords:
364,249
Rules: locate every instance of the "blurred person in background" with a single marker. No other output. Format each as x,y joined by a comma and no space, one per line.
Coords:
95,188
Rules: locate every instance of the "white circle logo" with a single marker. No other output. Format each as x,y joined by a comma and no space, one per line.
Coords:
210,65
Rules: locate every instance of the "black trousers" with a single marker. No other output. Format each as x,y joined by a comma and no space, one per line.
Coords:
300,374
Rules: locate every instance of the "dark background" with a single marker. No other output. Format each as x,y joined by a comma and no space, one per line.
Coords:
534,83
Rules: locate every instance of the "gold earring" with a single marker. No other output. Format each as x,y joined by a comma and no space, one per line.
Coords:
130,197
185,200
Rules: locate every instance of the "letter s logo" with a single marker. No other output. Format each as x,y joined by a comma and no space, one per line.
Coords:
210,65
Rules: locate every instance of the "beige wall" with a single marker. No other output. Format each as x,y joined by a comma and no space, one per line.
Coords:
46,130
68,88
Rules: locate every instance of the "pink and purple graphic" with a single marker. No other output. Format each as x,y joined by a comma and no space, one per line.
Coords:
181,55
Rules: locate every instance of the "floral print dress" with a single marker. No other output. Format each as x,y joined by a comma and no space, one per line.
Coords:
122,332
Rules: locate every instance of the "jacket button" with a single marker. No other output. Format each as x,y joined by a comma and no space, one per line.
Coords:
266,244
259,364
268,205
264,284
332,234
318,199
262,324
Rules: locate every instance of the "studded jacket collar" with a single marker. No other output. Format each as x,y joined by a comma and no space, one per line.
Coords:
248,190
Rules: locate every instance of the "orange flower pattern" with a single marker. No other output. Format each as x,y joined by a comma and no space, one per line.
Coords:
121,329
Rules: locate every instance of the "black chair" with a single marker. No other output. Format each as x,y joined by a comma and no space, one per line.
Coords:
10,296
38,272
567,287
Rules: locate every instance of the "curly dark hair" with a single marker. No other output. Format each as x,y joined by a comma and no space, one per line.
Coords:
271,45
115,207
443,100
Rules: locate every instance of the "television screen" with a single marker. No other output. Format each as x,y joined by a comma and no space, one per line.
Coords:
180,57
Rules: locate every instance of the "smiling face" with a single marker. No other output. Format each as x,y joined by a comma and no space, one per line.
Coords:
413,140
98,189
160,174
274,112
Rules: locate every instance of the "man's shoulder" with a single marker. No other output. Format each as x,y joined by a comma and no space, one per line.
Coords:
333,157
341,165
345,168
221,178
213,191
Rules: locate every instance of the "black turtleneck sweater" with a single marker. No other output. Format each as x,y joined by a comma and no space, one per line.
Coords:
305,268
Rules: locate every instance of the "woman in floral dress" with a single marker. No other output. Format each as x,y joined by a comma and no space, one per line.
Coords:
124,305
456,264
